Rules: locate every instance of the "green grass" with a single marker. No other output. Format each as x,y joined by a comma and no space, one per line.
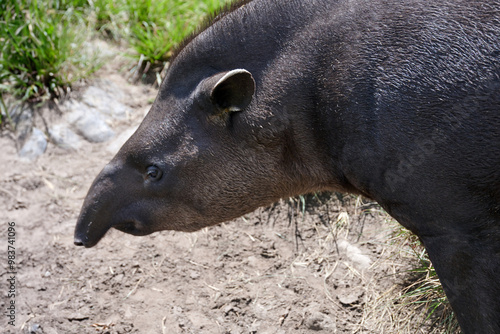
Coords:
152,28
160,25
41,49
41,42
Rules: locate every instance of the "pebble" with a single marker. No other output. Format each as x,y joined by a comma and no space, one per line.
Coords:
89,123
318,321
354,254
34,329
351,297
105,103
35,145
23,119
64,137
194,275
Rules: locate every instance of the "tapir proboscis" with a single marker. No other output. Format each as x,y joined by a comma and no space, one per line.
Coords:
397,100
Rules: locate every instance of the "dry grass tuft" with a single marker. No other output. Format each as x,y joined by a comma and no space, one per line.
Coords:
418,303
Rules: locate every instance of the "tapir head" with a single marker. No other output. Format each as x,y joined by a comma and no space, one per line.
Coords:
202,155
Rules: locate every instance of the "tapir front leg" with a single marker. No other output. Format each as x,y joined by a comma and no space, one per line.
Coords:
468,267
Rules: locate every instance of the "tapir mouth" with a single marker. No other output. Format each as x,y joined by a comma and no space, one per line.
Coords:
133,227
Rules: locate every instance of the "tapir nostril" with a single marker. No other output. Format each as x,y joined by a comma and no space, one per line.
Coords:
78,242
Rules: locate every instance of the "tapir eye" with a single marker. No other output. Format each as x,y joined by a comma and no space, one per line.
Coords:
153,173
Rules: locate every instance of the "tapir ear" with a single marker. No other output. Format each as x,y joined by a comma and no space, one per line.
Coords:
232,91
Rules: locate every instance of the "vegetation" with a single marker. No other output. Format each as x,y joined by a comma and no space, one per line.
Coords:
425,290
40,48
42,43
152,28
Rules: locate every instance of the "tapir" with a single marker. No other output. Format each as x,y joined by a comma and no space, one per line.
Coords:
396,100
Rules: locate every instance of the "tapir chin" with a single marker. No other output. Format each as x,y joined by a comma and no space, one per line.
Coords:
395,100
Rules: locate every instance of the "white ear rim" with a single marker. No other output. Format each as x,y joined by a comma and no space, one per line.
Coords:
230,74
226,77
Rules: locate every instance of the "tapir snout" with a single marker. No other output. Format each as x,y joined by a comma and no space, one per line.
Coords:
110,205
98,214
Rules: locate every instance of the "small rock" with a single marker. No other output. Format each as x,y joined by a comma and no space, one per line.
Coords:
177,310
64,137
89,123
76,317
105,103
34,329
318,321
74,110
231,309
94,129
194,275
34,146
23,120
350,298
355,254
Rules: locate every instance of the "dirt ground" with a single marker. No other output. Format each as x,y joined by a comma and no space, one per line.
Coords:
328,266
